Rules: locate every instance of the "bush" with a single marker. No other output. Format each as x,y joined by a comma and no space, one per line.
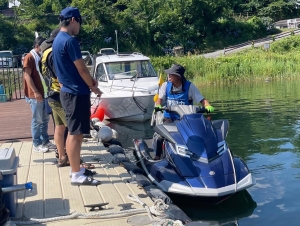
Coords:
229,31
289,44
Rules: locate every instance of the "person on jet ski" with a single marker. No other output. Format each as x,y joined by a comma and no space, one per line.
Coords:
177,91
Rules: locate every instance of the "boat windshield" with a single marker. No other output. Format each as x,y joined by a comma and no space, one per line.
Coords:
128,69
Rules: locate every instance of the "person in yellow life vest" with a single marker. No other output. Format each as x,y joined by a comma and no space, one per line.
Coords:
61,131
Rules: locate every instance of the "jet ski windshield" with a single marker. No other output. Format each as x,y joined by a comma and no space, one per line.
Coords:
198,135
182,110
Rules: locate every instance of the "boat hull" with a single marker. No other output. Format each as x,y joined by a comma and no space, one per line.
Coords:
130,108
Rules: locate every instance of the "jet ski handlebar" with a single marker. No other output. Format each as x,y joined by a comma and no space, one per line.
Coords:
182,109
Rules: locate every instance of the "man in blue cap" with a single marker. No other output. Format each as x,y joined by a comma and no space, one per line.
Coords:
76,86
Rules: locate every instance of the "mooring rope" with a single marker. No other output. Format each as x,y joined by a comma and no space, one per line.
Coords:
159,210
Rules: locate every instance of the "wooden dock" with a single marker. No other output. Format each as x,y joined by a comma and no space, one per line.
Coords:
53,194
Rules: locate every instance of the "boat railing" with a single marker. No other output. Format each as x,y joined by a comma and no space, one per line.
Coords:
137,53
124,76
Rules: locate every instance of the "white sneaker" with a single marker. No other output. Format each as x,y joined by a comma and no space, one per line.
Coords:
49,145
41,149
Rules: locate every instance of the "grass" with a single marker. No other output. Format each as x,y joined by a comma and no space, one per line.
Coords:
281,61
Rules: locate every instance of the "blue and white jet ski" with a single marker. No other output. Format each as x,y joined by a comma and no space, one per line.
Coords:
196,160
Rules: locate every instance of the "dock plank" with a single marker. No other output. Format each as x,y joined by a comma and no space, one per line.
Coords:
71,194
17,146
124,175
22,176
37,158
108,191
25,154
34,202
6,145
90,194
53,194
133,187
49,158
118,182
53,191
91,222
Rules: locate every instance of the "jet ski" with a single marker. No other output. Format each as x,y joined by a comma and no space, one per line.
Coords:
196,160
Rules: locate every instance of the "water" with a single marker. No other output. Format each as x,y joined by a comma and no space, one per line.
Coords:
264,131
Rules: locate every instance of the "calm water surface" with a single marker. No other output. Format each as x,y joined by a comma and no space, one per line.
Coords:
264,130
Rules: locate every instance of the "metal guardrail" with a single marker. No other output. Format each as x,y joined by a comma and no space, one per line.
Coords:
257,41
11,78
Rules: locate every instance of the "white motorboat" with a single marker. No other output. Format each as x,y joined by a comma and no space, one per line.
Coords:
128,82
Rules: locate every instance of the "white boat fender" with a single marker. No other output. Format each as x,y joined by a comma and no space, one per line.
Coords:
98,125
94,120
115,149
94,133
115,134
155,193
105,134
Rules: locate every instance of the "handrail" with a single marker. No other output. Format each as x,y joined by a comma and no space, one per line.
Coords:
134,76
281,35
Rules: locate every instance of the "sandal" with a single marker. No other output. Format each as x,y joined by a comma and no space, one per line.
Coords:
87,181
63,162
90,173
57,155
87,172
87,165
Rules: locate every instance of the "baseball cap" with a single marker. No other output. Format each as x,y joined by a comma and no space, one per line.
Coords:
69,12
176,69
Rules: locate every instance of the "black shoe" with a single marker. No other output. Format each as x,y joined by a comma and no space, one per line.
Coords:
89,173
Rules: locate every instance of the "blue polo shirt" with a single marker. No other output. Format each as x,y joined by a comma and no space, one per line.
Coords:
65,51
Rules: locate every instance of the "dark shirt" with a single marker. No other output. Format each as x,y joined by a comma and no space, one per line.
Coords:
65,51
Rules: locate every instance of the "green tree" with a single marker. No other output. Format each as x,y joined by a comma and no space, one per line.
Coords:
275,9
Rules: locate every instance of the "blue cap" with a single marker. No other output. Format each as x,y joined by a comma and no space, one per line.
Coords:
69,12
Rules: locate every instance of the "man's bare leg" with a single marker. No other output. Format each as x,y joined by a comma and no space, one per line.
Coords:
59,140
73,147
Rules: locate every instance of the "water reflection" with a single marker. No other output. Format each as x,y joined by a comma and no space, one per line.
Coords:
130,130
227,212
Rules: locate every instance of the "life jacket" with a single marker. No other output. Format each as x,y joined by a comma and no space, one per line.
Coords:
180,98
49,73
